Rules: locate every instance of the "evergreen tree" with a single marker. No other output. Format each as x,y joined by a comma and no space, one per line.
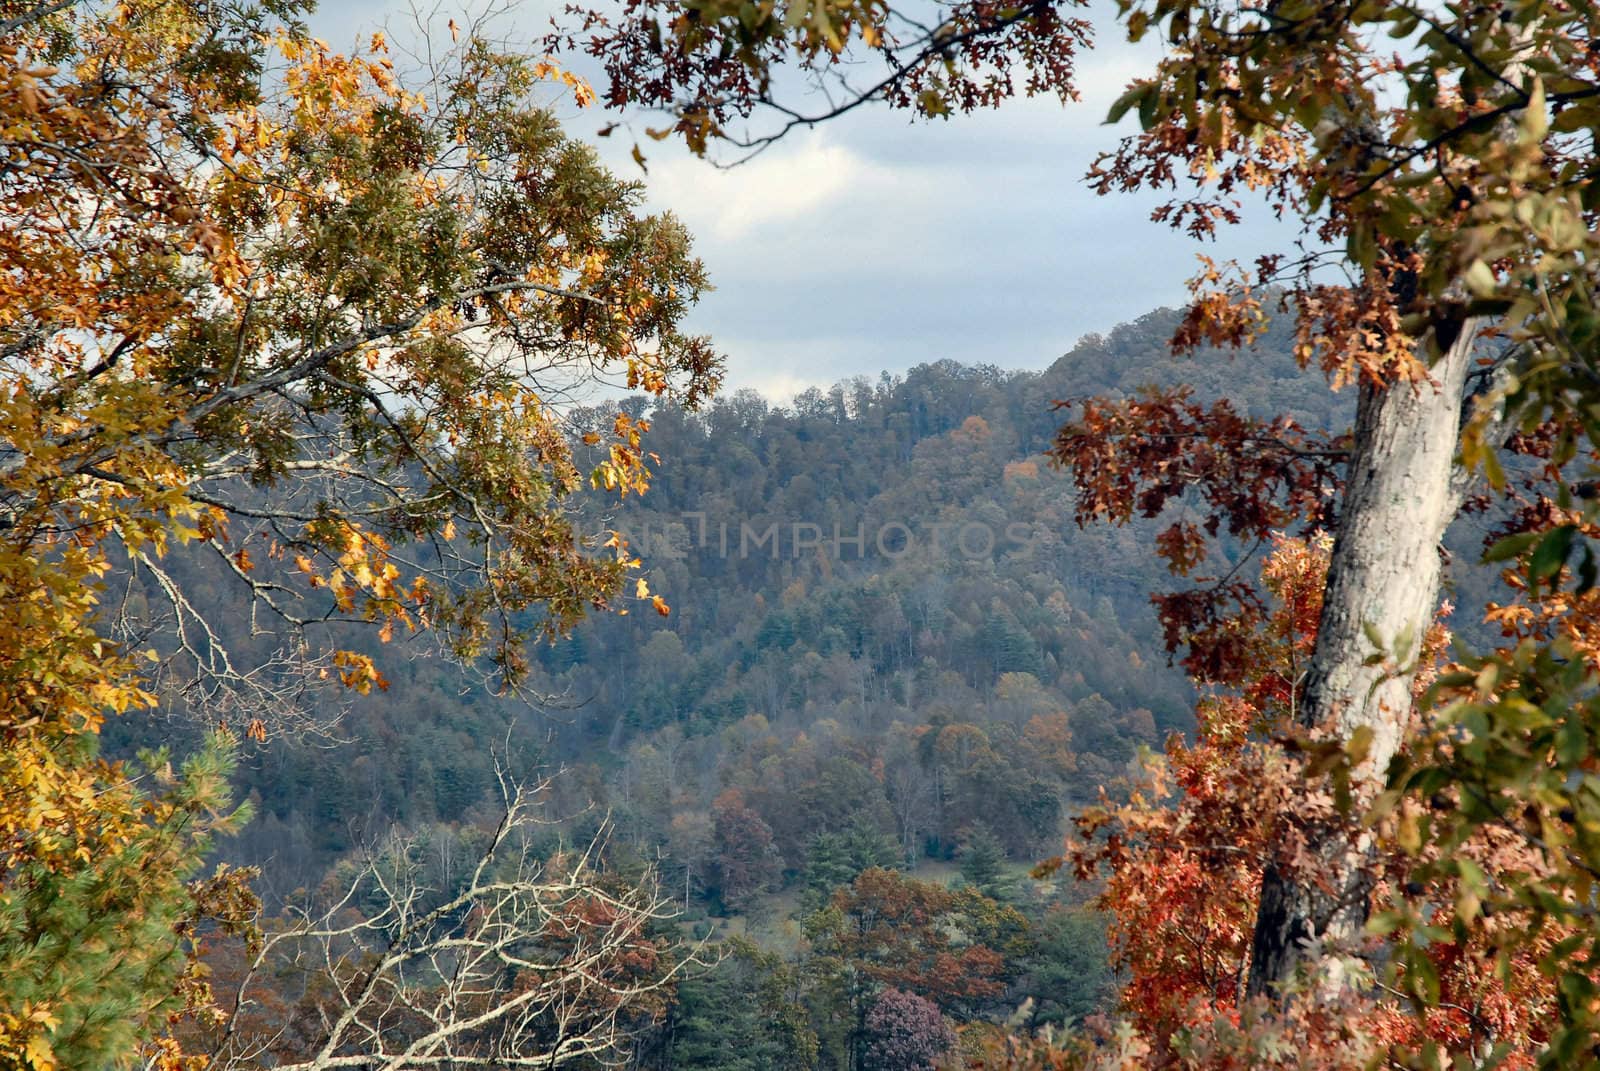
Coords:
836,859
741,1017
983,860
1068,976
95,948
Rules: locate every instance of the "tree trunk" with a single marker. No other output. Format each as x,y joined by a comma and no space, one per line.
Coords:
1383,583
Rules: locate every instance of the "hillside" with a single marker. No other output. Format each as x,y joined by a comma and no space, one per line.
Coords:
842,572
889,646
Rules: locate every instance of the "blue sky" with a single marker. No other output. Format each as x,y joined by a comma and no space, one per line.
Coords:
876,243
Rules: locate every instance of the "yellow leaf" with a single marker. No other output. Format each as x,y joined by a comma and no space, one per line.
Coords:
39,1054
1360,744
1409,833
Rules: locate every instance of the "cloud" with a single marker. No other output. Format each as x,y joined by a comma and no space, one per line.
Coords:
876,242
802,180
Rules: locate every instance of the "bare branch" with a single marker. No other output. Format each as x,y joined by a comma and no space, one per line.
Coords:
528,962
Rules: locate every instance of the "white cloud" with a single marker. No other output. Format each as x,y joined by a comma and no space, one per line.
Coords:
802,180
874,242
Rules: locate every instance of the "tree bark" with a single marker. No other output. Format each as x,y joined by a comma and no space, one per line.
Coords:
1383,584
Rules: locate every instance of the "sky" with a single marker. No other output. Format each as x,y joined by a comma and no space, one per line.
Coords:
876,243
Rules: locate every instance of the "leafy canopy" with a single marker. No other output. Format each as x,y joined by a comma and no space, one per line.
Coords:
315,320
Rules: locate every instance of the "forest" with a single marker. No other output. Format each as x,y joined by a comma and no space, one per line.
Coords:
414,655
922,711
829,647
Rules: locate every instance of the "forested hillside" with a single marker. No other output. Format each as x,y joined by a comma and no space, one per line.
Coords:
893,669
959,594
1225,695
889,646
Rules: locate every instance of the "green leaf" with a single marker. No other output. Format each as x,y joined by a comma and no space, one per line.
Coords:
1480,279
1551,553
1147,110
1135,95
1403,640
1359,745
1535,118
1492,470
1511,547
1588,572
1472,875
1385,923
1361,246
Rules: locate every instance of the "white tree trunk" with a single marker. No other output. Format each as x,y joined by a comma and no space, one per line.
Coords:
1383,584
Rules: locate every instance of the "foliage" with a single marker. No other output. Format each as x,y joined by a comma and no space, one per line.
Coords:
1174,875
743,1016
836,859
1144,455
96,939
879,657
785,677
953,948
950,946
709,62
1068,975
906,1033
747,861
275,307
1449,168
352,292
1441,157
1495,811
983,860
1183,933
524,960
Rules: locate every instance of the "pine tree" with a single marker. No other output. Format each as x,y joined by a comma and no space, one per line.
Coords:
836,859
983,860
95,945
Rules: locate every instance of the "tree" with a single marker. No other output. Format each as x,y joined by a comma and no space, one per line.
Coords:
528,962
983,860
719,68
952,947
748,863
1068,977
85,978
308,320
1438,157
906,1033
912,789
1424,189
378,293
743,1016
836,859
1197,827
690,838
